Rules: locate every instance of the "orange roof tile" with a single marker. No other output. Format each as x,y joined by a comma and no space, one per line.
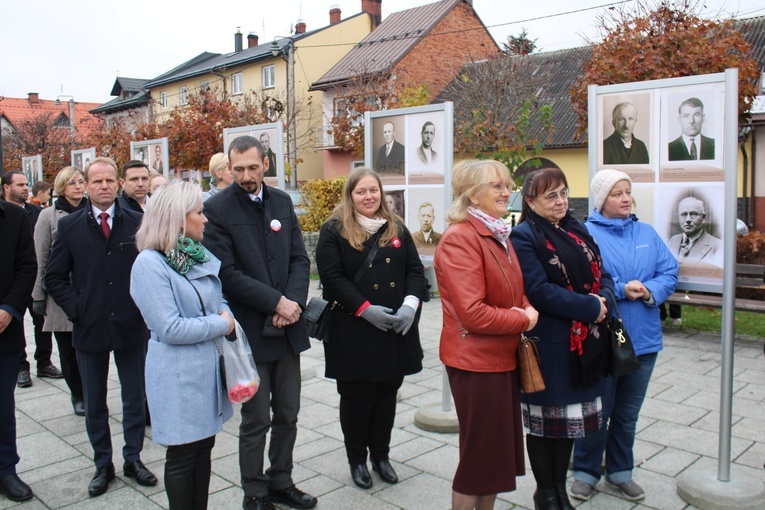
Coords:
19,109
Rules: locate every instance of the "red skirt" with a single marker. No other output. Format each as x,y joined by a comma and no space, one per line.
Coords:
491,435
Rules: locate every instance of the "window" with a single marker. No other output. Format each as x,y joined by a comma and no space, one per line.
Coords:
236,83
184,95
340,107
163,99
268,77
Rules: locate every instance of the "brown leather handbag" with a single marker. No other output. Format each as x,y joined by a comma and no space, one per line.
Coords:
528,366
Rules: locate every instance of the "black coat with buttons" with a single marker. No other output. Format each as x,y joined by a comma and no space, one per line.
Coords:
88,276
263,258
357,350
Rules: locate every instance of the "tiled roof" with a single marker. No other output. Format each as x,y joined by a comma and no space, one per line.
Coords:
187,69
16,110
387,44
753,30
127,85
117,104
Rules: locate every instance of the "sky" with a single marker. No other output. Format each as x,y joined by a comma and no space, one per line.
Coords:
76,49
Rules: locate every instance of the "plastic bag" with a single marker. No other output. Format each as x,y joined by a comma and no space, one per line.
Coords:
242,379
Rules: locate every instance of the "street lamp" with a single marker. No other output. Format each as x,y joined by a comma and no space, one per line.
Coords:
71,111
292,129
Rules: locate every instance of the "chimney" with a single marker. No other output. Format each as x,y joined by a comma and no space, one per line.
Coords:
374,9
238,40
252,39
34,98
300,27
334,14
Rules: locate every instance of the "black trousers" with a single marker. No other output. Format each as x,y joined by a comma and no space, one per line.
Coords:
367,413
68,357
187,474
675,311
9,456
43,344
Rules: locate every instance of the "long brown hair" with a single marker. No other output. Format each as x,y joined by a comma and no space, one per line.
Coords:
344,213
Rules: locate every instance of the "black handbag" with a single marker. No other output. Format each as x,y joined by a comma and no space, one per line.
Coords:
622,359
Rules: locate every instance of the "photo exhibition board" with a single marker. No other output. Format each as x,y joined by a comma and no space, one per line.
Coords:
32,168
272,137
412,151
668,136
81,158
154,153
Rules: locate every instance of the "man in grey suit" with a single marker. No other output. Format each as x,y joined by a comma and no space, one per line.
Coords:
426,236
425,151
695,244
691,144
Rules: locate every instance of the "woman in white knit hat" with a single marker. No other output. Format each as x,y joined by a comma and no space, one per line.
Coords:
645,274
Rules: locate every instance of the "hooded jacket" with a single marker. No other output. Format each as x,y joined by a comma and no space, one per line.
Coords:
632,250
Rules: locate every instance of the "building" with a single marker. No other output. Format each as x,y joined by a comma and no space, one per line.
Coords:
66,114
131,106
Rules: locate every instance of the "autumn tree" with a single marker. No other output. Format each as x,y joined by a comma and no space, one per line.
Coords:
498,111
665,39
519,44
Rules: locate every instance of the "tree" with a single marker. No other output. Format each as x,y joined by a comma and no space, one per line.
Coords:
520,44
43,134
498,110
668,39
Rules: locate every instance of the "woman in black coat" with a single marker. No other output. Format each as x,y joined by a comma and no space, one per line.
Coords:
374,340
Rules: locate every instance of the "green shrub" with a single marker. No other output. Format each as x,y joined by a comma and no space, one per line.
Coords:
319,200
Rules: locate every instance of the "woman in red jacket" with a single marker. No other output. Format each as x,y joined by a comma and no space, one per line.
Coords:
484,313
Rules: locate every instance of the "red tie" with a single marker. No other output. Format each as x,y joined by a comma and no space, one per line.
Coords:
105,224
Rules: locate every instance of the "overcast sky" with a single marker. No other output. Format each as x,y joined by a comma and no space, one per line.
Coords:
77,48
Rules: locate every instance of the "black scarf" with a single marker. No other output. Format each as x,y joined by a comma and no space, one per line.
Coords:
571,259
65,205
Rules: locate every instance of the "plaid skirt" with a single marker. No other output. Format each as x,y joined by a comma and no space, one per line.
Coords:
568,421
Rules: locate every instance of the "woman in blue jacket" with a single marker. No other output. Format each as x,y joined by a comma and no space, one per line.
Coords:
174,282
645,274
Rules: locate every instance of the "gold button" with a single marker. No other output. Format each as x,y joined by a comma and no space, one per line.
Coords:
387,260
392,284
376,286
370,265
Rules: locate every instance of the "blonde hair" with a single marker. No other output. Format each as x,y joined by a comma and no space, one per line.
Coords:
471,177
345,213
218,163
63,177
165,216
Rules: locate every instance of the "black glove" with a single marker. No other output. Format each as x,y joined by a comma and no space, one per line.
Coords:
405,315
380,317
39,307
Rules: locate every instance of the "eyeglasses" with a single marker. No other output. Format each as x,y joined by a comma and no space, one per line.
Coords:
499,187
75,183
554,197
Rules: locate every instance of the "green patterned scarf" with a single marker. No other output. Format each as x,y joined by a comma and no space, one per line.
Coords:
185,254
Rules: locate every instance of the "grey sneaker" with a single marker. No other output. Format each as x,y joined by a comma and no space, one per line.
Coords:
630,490
581,490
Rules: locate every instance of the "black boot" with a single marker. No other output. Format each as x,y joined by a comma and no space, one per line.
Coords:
546,499
563,501
180,489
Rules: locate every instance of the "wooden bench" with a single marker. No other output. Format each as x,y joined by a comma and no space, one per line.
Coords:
748,276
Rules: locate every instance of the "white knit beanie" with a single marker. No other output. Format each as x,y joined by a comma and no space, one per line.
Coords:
602,184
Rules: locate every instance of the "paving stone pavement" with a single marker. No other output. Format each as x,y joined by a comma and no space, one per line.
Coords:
678,429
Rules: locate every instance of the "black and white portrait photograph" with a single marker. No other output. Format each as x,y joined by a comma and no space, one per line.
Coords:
425,217
395,201
389,160
82,157
271,138
626,127
155,155
426,145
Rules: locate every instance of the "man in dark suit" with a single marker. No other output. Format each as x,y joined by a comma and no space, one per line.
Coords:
88,276
265,140
425,152
695,244
16,191
622,147
254,231
426,236
18,270
135,186
691,144
390,157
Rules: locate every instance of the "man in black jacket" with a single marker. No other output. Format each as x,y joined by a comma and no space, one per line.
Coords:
89,278
254,232
16,191
135,186
18,270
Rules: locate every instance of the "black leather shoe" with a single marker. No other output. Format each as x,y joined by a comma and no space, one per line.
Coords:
361,476
294,497
51,372
24,380
78,405
100,482
15,489
385,470
137,470
546,499
563,501
256,503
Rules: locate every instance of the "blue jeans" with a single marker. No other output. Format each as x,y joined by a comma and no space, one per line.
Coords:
621,407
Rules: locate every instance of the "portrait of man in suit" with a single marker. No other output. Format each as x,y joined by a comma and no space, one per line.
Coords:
426,236
425,152
622,147
265,140
691,144
390,156
695,244
395,201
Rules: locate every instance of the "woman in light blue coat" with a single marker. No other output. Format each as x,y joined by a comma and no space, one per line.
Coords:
645,274
174,282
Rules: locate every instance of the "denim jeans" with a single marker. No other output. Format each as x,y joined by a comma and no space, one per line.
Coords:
621,407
